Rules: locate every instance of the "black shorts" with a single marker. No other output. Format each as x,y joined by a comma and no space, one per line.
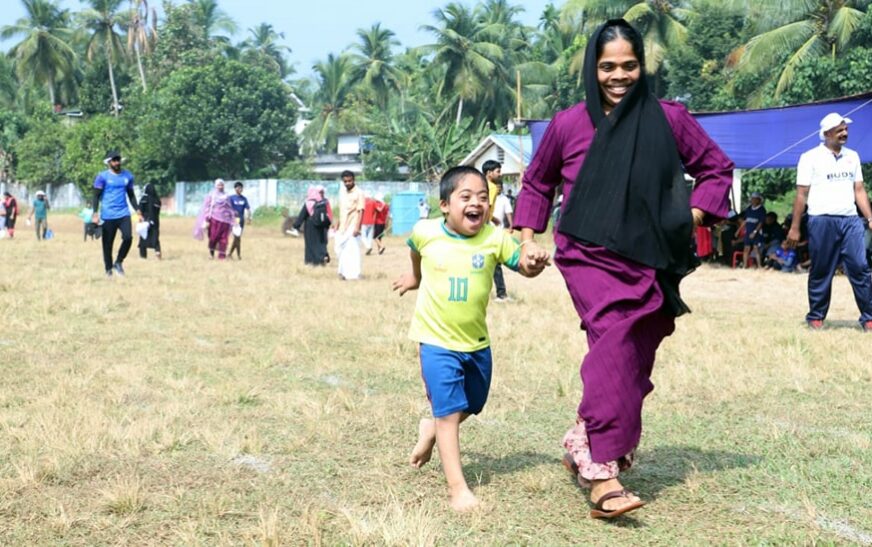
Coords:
378,231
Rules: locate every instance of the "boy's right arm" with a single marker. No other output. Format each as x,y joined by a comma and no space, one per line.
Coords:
410,281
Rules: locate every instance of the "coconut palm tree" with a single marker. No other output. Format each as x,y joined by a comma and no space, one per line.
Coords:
801,30
103,22
43,55
141,35
469,60
264,40
334,83
210,18
661,22
373,64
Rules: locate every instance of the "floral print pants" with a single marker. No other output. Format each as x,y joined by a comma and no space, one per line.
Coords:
576,443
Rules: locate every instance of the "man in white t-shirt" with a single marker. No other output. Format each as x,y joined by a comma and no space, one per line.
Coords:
503,211
829,180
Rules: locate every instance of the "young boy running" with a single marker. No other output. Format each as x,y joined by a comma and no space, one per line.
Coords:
453,261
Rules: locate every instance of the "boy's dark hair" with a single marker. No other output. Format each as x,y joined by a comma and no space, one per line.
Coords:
773,215
237,184
489,166
347,173
452,177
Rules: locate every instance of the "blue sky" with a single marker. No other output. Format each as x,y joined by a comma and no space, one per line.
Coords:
315,28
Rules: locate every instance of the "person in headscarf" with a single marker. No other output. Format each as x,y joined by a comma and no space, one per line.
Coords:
623,242
317,215
216,219
149,207
11,206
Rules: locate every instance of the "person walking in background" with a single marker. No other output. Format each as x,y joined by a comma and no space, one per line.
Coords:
149,208
382,214
112,190
243,213
829,180
11,206
753,219
423,209
39,212
216,219
315,218
367,225
623,242
351,204
493,172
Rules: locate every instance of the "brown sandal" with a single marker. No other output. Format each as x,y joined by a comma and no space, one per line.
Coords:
599,512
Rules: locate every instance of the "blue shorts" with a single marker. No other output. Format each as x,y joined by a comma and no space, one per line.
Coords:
757,240
456,381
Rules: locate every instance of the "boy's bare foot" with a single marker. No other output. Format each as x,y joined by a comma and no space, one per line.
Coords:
424,447
601,488
463,500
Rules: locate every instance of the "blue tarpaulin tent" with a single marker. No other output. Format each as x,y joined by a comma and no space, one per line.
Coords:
775,137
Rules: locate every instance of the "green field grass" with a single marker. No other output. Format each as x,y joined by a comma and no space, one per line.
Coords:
264,402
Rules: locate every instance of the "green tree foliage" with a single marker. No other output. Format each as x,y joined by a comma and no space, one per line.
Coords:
696,68
39,153
44,55
85,146
224,119
799,32
182,42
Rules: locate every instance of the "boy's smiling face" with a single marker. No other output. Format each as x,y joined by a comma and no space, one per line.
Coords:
467,207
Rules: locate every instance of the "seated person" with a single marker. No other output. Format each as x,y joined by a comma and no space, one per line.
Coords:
773,233
783,259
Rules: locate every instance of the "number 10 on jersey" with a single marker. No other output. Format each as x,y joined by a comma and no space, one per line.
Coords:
459,289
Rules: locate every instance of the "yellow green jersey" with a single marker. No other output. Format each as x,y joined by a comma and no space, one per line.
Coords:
456,278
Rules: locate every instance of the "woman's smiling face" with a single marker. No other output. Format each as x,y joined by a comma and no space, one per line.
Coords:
617,69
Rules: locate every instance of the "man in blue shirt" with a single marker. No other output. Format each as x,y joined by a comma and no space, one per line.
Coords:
240,205
112,189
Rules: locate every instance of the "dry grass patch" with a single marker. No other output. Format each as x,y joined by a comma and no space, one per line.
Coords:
263,402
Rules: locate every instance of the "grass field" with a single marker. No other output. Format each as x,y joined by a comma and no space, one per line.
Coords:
263,402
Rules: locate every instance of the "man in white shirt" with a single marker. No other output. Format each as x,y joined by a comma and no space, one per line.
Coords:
503,211
829,180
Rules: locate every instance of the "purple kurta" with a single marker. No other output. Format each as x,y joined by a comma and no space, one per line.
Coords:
618,300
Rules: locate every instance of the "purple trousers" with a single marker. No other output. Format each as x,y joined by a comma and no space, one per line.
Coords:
620,305
218,233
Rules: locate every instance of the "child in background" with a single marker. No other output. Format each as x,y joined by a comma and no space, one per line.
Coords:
783,258
453,261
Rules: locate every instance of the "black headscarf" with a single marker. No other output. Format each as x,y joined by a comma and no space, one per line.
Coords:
630,195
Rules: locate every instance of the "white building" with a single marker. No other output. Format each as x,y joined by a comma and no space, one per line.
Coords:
512,151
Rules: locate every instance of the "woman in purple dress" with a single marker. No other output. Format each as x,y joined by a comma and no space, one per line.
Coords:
216,219
623,242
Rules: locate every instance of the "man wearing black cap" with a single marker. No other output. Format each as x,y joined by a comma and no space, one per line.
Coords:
829,181
112,189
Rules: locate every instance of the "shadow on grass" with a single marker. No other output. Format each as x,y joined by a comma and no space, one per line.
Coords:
841,324
483,467
665,466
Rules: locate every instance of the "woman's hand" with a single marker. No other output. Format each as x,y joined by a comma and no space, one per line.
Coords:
698,216
405,283
534,259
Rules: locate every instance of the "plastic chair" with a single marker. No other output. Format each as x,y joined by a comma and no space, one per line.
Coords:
737,256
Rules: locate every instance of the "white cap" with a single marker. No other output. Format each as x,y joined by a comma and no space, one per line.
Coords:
830,121
40,193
